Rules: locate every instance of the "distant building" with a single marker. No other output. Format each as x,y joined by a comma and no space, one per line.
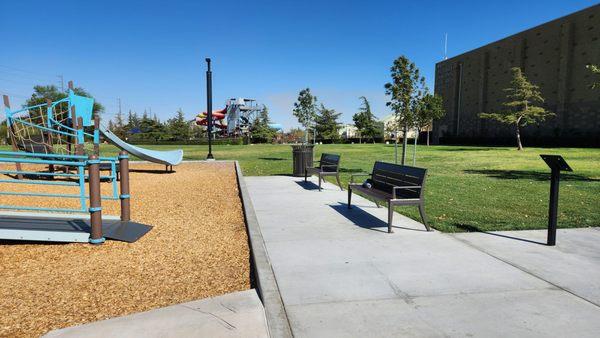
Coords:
389,128
348,131
553,56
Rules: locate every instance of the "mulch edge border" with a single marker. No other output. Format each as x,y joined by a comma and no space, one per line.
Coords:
262,272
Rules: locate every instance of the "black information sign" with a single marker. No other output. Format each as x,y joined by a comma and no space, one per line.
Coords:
557,164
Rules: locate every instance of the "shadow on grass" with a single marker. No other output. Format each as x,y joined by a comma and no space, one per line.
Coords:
472,228
365,220
272,158
528,175
471,149
350,170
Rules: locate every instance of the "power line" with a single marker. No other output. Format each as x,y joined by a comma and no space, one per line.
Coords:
25,76
13,95
25,71
17,82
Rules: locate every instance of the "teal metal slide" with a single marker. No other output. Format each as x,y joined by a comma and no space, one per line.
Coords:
171,157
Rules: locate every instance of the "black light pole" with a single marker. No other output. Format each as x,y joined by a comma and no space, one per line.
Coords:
209,109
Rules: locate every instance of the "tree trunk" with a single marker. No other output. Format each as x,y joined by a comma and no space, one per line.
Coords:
428,137
520,146
415,148
404,143
396,148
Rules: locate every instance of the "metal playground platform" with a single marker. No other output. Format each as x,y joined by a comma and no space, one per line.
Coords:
65,228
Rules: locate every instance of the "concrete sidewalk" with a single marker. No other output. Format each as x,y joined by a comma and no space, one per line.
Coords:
341,274
237,314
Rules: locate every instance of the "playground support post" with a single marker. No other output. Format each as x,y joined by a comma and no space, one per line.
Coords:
80,142
49,135
97,135
209,108
125,200
96,236
13,141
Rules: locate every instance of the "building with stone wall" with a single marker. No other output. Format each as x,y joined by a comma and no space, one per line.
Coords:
554,57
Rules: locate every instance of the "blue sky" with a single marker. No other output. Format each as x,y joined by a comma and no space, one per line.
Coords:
151,54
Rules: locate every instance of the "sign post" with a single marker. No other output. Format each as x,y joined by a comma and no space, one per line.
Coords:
557,164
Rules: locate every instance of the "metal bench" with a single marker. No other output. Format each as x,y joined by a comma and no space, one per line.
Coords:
328,166
396,184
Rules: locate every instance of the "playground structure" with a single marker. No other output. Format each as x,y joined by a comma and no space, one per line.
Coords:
54,134
235,119
65,126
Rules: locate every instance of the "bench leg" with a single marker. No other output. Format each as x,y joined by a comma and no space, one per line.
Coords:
305,175
349,198
377,204
337,177
320,179
423,216
390,217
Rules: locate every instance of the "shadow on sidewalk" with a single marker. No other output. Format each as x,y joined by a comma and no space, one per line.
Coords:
364,219
307,185
471,228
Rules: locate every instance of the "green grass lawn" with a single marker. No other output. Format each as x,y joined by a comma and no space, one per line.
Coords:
468,188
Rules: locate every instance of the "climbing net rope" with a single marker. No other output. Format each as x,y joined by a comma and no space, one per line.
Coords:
33,130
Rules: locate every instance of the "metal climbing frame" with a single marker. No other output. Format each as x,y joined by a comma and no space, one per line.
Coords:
77,180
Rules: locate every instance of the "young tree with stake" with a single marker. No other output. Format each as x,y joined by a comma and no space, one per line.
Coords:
305,110
405,91
521,109
430,108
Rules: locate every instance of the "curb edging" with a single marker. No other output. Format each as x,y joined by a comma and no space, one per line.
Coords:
264,277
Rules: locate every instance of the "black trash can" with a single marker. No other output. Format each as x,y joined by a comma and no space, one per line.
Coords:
302,155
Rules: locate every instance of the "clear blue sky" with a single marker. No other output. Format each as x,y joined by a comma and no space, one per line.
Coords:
151,55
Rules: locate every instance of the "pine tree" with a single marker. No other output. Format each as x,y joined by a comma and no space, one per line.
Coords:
119,126
178,127
327,125
260,127
521,109
365,121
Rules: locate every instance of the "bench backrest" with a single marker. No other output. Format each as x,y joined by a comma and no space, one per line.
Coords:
387,175
329,162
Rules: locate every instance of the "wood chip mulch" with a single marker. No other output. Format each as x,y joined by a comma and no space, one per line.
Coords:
198,248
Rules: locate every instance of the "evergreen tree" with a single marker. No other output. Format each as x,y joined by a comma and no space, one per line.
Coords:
305,110
133,122
521,109
260,129
405,91
327,125
119,126
178,127
365,121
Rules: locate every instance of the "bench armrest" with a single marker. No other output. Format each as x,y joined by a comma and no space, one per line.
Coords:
361,174
404,188
330,165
